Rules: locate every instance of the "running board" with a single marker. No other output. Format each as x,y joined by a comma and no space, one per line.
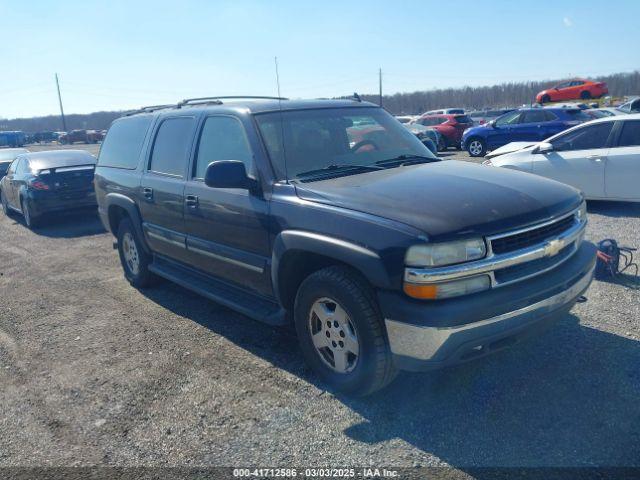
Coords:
252,306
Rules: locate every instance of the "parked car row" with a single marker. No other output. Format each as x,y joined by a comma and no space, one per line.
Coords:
601,158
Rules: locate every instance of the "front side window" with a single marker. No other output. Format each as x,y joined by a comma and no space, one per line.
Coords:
171,147
510,118
302,141
587,138
630,135
222,138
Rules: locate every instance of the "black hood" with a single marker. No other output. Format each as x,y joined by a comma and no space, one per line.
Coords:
448,199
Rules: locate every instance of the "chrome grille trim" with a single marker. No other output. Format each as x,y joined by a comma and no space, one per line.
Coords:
492,262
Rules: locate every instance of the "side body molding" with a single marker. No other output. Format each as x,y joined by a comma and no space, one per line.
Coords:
361,258
120,200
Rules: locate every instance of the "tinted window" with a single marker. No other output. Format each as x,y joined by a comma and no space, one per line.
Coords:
575,114
463,119
630,135
533,116
122,145
171,147
593,136
550,116
432,121
455,110
222,138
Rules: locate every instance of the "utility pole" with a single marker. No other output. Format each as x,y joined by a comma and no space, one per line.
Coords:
64,123
380,86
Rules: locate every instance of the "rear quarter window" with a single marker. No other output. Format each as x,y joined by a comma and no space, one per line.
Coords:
463,119
123,143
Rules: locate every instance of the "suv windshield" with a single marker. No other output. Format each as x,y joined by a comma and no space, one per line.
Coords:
334,137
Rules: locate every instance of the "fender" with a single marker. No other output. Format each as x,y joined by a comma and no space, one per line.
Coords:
366,261
117,199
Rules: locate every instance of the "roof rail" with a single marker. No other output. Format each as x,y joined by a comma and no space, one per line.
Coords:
150,108
218,100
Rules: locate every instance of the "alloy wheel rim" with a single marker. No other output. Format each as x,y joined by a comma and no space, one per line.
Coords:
334,335
475,147
130,253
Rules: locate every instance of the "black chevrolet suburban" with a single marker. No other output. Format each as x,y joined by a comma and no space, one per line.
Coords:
331,215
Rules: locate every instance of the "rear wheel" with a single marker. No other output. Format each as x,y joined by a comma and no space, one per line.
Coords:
5,204
30,219
341,331
585,95
135,261
476,147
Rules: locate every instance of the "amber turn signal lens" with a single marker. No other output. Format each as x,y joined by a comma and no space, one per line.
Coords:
421,291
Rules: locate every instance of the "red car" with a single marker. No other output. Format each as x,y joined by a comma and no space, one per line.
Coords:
573,90
449,126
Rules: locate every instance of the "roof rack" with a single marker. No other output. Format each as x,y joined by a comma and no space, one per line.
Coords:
218,100
149,109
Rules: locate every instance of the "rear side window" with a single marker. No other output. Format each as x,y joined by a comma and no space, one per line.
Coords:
123,143
533,116
550,116
577,115
171,147
432,121
630,135
222,138
463,119
587,138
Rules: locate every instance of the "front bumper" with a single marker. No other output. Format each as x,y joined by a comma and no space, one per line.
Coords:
427,335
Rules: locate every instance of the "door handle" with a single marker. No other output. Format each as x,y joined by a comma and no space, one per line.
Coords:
597,158
191,201
148,193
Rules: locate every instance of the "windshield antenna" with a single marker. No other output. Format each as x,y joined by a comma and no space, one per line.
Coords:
284,152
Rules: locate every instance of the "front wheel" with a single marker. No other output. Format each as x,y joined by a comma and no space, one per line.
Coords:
135,261
341,331
545,99
476,147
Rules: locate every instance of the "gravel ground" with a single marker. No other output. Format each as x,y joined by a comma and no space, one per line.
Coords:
94,371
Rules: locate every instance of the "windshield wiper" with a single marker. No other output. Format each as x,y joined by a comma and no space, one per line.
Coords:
336,168
402,160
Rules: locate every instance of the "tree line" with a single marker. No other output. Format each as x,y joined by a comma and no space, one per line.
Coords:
511,94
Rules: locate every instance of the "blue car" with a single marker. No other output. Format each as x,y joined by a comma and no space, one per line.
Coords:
522,125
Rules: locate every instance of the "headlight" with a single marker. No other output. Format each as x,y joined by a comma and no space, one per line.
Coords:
582,212
440,254
455,288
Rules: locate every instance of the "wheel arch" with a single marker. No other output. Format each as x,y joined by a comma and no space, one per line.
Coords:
119,206
298,254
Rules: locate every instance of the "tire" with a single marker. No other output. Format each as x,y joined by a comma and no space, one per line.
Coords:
545,99
30,220
340,294
585,95
135,261
476,147
5,205
442,146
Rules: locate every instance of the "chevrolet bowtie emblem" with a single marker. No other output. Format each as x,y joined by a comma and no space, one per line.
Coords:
553,247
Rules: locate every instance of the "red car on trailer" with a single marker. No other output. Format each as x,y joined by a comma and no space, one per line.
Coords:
575,89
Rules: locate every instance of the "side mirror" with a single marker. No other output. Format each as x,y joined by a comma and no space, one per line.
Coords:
544,147
228,174
492,124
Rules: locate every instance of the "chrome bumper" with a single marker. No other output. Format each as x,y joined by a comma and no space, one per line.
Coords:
423,343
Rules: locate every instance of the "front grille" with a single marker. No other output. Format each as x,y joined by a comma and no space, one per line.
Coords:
531,237
524,270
